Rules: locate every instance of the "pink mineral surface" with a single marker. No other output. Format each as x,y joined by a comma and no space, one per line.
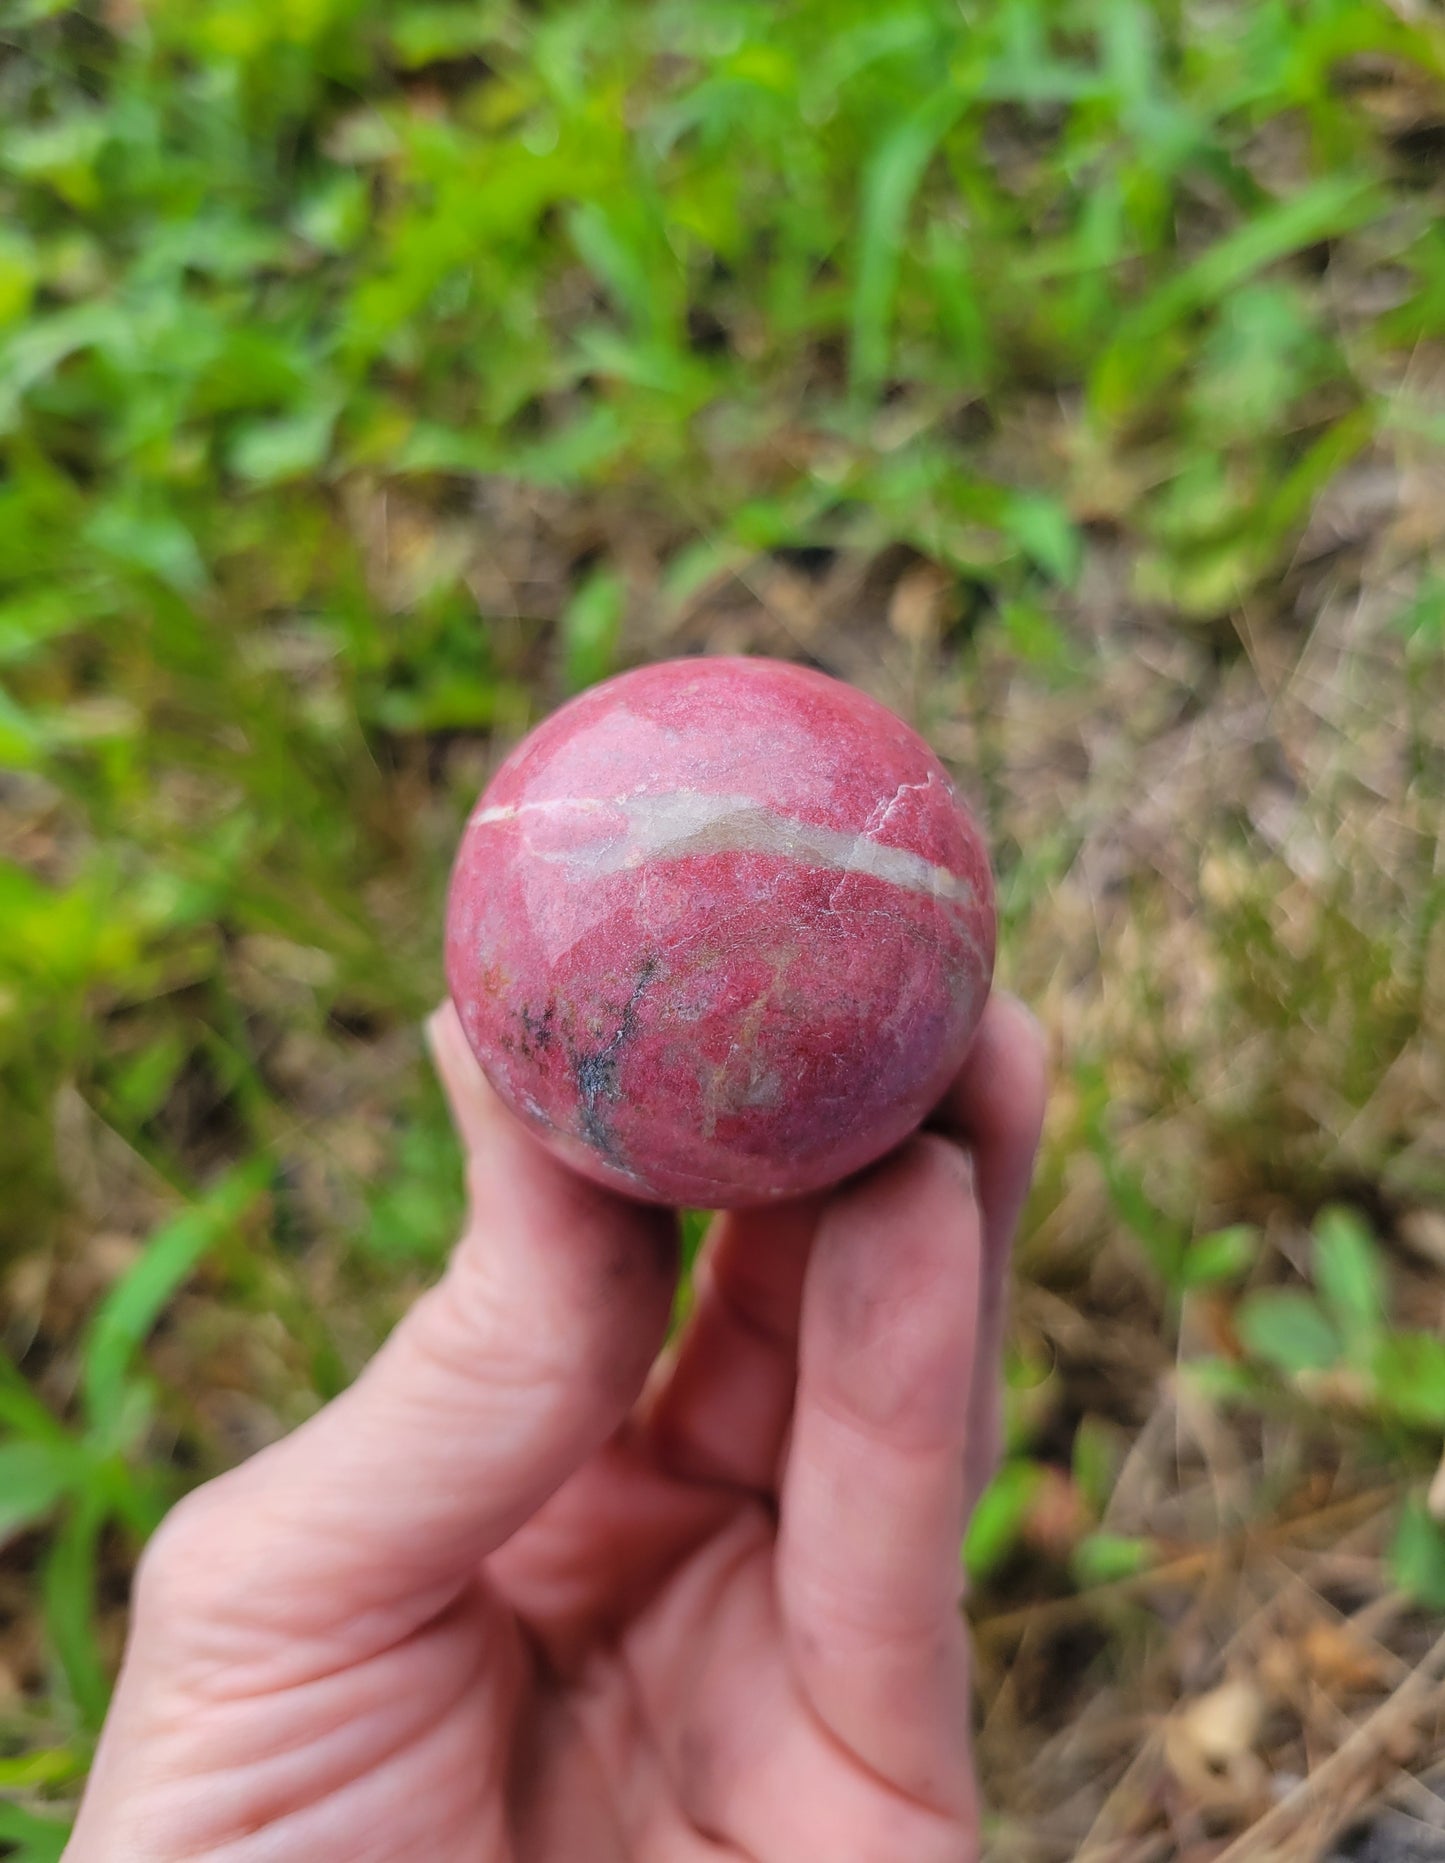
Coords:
720,931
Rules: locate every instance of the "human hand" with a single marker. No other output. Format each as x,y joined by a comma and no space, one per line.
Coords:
530,1593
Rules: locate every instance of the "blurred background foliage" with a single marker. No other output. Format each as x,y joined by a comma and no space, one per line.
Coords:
1069,372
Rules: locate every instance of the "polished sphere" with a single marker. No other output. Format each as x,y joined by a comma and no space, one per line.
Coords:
720,931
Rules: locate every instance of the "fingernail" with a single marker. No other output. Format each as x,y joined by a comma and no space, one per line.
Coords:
1030,1027
437,1029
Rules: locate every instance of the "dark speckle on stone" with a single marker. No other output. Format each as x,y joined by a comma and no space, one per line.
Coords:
595,1071
537,1029
597,1074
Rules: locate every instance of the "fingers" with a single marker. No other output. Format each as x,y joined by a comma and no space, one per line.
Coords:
996,1109
722,1410
501,1380
873,1496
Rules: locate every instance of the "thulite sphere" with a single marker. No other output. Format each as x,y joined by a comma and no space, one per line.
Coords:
720,931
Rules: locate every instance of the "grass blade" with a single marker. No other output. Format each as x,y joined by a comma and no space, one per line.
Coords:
133,1305
892,179
68,1584
1137,360
33,1476
23,1412
29,1839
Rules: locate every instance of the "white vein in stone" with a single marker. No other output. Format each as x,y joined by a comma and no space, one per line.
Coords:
685,821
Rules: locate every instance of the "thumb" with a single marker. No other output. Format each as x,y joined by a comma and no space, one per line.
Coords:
522,1361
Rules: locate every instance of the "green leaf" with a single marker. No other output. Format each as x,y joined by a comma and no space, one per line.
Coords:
18,275
698,564
154,542
1104,1558
34,1839
1255,363
273,452
693,1227
22,1411
609,248
1139,358
33,1477
1409,1373
142,1082
27,1772
1096,1460
37,349
131,1308
334,217
1031,1387
422,35
1350,1276
1045,532
1035,636
1422,619
999,1517
1221,1256
68,1589
590,625
1297,492
416,1207
890,181
1416,1559
1224,1381
29,622
23,737
1163,1239
1286,1328
62,151
1325,208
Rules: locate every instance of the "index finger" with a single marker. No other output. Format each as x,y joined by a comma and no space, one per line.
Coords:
496,1386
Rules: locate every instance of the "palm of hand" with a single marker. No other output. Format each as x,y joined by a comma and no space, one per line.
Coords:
719,1622
678,1733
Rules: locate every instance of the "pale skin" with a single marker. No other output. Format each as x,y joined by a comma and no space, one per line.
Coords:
539,1589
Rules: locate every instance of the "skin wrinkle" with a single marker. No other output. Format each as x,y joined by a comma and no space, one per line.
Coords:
302,1831
686,822
932,1807
259,1777
687,1789
243,1806
208,1583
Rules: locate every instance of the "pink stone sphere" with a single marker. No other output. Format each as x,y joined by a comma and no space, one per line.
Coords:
721,931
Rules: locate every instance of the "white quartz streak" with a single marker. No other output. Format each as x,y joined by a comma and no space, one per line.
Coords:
631,830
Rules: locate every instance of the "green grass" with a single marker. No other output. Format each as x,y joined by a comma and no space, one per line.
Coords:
372,376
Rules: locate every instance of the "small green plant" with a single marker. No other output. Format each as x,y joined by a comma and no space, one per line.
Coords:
1341,1323
1340,1331
1182,1260
998,1521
